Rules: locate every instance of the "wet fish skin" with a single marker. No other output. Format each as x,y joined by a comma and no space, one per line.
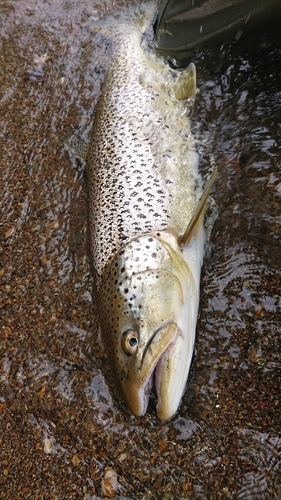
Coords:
130,157
144,186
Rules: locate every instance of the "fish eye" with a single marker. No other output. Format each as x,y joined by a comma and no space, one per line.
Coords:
130,342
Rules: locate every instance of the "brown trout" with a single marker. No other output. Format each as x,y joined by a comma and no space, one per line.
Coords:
146,222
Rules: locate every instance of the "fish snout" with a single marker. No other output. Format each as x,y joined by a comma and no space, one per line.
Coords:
137,378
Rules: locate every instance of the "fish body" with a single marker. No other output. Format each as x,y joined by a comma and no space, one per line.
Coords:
144,189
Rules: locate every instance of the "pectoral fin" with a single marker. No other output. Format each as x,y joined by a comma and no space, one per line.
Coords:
199,210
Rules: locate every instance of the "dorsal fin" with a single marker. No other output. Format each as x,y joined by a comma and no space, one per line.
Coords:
185,86
199,209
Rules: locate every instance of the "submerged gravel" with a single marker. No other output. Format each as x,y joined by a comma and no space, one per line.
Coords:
65,433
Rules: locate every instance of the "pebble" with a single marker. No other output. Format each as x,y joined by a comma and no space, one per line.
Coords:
109,483
48,445
9,233
76,460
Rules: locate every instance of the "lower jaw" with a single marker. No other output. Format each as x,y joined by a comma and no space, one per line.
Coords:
144,392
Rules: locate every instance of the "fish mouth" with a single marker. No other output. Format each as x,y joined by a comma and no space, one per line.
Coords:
155,364
149,345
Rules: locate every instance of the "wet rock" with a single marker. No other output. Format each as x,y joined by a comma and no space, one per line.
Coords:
109,483
76,460
255,354
48,445
9,233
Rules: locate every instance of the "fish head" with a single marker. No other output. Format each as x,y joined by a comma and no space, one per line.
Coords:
143,321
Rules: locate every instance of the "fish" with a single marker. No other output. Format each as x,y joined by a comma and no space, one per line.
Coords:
146,211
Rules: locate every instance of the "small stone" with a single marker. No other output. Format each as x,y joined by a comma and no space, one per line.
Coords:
69,121
162,445
42,59
2,272
157,486
122,457
255,354
42,392
48,445
109,483
54,224
2,406
187,486
9,233
75,460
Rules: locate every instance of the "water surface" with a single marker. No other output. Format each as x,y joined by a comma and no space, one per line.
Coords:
65,432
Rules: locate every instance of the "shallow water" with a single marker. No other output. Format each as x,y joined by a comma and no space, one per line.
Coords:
64,428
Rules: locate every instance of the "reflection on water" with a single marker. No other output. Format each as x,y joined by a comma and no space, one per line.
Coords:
65,432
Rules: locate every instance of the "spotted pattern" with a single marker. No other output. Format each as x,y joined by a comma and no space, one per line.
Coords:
134,281
140,158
